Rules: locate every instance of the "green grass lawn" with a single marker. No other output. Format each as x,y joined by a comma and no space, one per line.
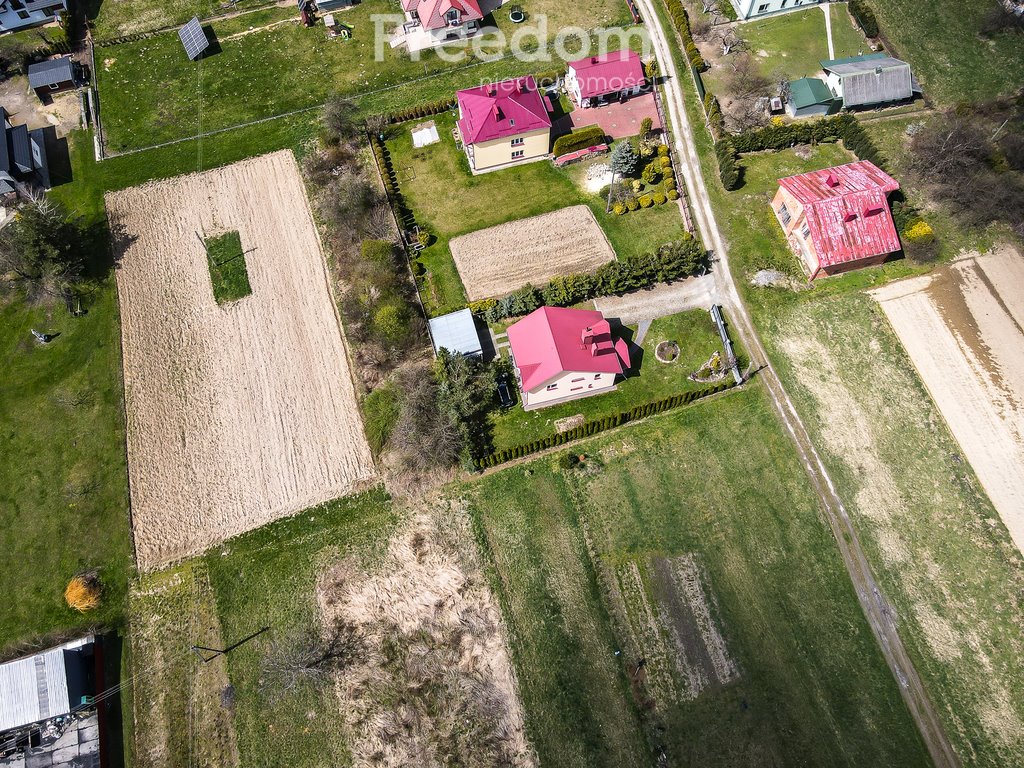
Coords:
693,331
796,43
151,93
449,201
720,482
227,267
940,551
115,18
940,40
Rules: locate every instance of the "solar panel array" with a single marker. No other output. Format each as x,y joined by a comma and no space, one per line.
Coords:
193,38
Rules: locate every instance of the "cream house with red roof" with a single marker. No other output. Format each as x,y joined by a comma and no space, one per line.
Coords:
435,22
564,354
502,124
838,219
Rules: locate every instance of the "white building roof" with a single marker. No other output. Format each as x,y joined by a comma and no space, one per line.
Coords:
35,688
456,332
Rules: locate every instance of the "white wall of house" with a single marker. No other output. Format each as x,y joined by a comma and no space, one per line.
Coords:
17,14
749,9
568,386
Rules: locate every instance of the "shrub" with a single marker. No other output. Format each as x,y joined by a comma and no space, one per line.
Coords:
659,198
646,201
381,409
418,270
481,306
619,209
864,17
424,238
83,592
919,232
645,126
577,140
726,9
670,183
727,170
672,195
632,204
666,161
651,172
663,150
637,185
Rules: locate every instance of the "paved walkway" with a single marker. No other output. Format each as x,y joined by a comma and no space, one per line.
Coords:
617,120
662,300
828,29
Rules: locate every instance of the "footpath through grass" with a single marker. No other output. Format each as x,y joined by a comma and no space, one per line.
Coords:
718,483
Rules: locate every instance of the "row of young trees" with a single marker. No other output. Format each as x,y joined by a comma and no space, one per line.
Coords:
593,427
671,261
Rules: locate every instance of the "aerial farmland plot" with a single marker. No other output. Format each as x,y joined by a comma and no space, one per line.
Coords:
499,260
242,412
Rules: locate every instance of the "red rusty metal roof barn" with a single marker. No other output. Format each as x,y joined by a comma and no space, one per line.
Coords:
847,211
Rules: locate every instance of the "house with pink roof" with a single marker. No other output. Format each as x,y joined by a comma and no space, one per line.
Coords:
436,22
565,354
502,124
609,77
838,219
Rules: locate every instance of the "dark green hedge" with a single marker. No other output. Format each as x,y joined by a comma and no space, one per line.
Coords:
577,140
682,22
593,427
845,127
864,17
390,179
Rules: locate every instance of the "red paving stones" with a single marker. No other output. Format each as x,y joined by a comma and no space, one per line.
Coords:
619,120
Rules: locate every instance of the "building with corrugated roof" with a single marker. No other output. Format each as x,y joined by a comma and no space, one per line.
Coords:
23,164
838,219
870,80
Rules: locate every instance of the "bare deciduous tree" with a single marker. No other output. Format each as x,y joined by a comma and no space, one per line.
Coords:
309,655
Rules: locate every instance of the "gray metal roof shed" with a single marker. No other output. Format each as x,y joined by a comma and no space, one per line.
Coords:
871,79
51,72
456,332
48,684
21,149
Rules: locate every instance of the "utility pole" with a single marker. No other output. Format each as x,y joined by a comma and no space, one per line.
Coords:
215,652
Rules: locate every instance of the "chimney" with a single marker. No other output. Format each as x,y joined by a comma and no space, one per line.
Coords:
496,111
850,216
872,210
832,180
587,337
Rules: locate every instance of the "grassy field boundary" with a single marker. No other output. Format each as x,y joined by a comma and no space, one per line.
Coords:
587,429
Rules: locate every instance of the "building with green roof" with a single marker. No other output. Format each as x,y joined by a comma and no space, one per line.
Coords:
809,97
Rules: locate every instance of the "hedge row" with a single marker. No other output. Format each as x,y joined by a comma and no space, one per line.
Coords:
391,188
728,171
682,22
593,427
577,140
420,110
864,17
844,126
126,38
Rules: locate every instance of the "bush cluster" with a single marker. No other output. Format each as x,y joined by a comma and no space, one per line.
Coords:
682,22
728,171
390,179
421,110
671,261
845,127
864,17
593,427
590,136
714,112
919,232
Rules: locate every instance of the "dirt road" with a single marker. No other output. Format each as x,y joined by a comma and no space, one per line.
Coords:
875,607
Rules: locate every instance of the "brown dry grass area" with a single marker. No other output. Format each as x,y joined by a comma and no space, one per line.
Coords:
963,327
432,683
237,414
499,260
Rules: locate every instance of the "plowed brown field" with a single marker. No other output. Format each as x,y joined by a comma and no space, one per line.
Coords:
242,413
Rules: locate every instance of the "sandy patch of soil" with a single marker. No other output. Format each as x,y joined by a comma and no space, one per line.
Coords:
433,683
24,108
963,327
499,260
598,177
569,422
237,414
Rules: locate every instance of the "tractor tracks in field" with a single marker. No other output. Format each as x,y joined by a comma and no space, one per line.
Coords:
876,609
